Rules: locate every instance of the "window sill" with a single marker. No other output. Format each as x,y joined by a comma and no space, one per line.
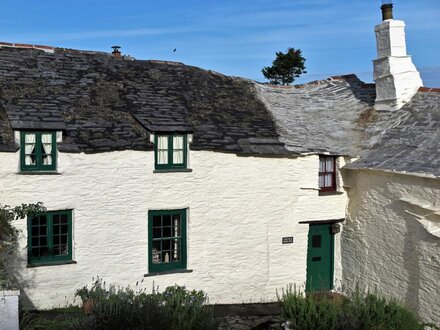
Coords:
330,193
57,263
176,271
39,173
170,170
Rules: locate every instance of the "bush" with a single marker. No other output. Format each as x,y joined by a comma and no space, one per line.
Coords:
175,308
332,311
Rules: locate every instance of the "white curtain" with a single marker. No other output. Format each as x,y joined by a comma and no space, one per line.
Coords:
29,149
329,164
46,140
162,150
178,149
328,180
321,181
321,165
176,224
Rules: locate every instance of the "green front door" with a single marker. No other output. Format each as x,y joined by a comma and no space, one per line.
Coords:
320,258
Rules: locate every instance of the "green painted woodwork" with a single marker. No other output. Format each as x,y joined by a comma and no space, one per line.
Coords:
50,237
320,258
37,152
170,164
166,240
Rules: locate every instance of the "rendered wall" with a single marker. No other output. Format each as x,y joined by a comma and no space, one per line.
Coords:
239,210
9,310
385,247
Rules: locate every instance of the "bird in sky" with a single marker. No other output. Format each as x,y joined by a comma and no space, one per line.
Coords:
174,50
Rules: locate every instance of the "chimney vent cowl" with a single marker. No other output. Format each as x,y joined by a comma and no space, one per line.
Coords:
116,52
387,10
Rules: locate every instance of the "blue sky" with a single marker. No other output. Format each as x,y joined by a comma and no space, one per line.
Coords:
234,37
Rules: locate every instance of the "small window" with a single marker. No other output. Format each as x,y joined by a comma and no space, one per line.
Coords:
50,237
166,240
327,173
38,151
170,151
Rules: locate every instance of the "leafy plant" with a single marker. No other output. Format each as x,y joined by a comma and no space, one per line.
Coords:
9,236
333,311
286,67
123,308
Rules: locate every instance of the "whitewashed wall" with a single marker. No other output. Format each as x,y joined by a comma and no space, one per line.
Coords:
239,210
384,245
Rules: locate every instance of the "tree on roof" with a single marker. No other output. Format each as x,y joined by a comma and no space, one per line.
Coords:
286,67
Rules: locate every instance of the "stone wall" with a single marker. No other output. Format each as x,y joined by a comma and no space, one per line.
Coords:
239,208
385,245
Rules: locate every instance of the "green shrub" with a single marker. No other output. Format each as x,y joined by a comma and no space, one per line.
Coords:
357,311
307,311
175,308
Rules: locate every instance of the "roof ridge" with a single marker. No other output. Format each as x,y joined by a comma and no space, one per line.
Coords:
429,89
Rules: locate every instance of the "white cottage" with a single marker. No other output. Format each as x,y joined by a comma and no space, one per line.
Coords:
158,172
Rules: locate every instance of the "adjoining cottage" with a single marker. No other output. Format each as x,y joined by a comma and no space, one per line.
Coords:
158,172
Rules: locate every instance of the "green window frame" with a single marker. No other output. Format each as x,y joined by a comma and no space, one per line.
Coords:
50,237
170,151
38,151
166,240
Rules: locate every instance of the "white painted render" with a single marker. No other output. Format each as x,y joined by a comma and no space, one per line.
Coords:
9,310
239,208
385,247
396,77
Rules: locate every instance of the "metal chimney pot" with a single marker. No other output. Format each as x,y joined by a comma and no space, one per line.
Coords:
387,10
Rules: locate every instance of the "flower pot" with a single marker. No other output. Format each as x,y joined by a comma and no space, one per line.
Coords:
87,306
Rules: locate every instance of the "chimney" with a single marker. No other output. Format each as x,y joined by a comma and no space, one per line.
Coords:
396,77
116,52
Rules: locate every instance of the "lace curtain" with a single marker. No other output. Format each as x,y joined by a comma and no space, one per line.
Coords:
162,150
178,149
30,149
46,140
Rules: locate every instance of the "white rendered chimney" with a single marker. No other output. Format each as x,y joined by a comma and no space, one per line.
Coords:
396,77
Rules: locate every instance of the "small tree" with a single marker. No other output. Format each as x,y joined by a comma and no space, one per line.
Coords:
286,67
9,235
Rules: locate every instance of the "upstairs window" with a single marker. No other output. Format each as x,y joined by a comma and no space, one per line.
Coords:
170,151
38,151
327,173
50,237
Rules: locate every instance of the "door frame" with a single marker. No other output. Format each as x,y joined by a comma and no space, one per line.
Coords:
329,224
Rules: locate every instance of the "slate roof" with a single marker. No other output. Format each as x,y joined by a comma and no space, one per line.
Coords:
406,140
103,103
323,116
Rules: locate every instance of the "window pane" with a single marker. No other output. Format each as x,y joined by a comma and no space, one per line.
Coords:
29,149
178,157
328,180
321,181
166,245
157,221
165,256
157,232
176,226
162,149
177,142
329,164
316,241
162,157
321,164
156,256
166,232
166,220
